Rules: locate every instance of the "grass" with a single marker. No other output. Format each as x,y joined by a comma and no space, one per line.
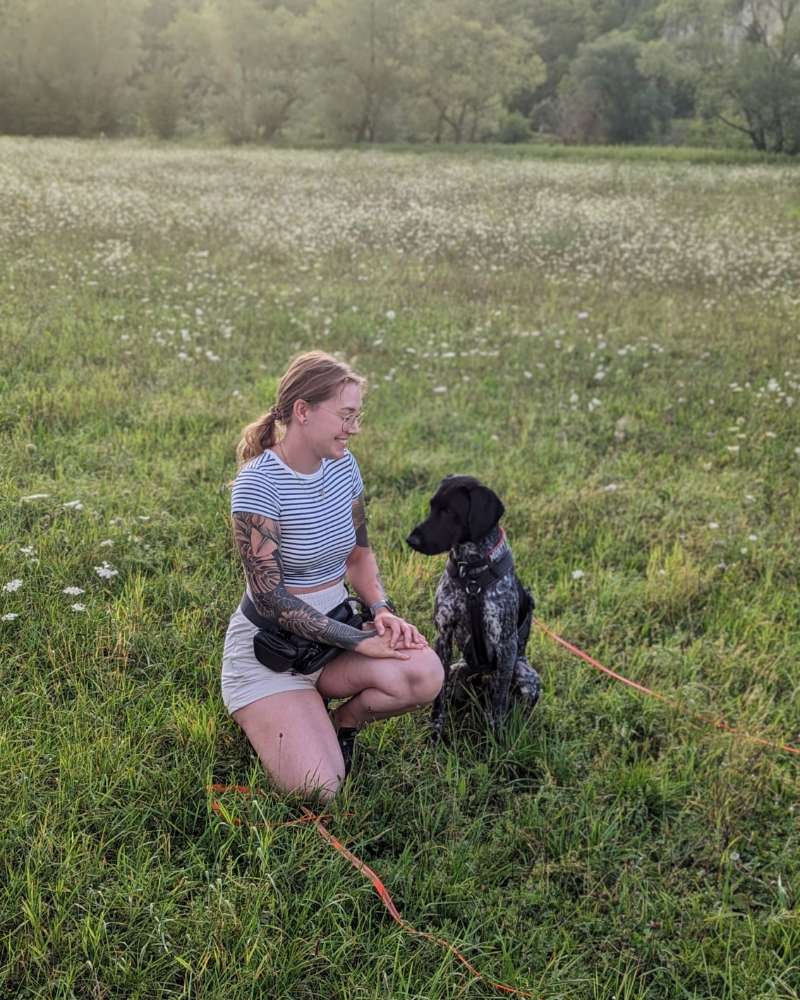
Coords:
639,420
618,153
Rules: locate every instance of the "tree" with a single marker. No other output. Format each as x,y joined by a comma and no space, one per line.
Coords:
466,65
607,98
358,49
744,57
243,62
75,65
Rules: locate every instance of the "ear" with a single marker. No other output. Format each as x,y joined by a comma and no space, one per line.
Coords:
301,410
485,510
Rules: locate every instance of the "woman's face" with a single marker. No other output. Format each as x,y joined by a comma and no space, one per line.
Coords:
333,421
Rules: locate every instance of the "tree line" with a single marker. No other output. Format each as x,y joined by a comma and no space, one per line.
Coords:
605,71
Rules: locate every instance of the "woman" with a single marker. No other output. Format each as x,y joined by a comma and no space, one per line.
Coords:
300,526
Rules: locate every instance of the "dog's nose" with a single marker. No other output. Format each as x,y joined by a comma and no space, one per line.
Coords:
414,540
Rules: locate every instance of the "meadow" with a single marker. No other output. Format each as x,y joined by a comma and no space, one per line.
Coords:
612,345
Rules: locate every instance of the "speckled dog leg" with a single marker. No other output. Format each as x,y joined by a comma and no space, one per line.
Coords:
527,682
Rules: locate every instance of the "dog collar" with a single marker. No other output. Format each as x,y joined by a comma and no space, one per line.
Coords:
475,574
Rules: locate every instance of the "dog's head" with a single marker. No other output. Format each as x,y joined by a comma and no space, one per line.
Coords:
462,510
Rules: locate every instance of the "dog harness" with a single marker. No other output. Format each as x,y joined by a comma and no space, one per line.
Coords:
475,575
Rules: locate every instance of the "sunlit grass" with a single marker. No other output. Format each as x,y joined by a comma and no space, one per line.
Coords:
614,348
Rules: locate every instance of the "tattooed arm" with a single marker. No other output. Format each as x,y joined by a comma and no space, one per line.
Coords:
258,541
362,573
362,567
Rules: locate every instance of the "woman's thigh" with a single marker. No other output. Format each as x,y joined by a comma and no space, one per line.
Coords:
419,676
294,738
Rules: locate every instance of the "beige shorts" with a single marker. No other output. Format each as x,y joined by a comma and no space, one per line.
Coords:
244,679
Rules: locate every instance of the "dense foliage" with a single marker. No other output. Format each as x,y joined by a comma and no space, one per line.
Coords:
400,70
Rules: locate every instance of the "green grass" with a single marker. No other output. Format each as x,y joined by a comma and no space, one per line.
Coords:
542,150
605,846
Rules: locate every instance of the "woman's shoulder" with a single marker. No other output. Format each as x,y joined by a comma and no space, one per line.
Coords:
260,470
255,489
259,463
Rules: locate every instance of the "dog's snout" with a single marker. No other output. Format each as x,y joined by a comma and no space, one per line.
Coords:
414,540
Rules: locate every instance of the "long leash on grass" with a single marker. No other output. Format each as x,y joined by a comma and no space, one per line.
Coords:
696,716
360,866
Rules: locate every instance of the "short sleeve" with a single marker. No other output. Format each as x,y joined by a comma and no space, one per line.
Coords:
252,492
358,482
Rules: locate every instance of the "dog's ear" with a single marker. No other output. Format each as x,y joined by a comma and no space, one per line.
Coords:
485,510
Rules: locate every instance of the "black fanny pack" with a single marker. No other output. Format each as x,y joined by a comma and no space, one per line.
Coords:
280,650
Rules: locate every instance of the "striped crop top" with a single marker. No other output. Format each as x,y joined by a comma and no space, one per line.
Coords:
317,533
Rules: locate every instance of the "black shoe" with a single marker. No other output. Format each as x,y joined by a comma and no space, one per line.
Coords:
347,742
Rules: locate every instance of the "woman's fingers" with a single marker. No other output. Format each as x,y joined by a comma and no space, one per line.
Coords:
398,633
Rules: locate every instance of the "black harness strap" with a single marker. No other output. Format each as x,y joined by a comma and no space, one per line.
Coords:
475,576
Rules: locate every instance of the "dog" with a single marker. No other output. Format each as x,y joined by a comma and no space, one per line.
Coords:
480,603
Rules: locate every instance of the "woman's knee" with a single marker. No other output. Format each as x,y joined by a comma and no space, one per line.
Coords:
425,676
320,784
325,791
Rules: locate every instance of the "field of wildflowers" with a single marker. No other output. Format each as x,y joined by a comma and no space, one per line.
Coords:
615,347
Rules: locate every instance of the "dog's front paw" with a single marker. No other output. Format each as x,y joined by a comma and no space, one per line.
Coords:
527,682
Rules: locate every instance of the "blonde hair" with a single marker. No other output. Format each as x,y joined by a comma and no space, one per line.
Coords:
313,376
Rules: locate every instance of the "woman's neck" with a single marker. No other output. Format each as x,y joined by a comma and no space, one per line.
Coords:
295,453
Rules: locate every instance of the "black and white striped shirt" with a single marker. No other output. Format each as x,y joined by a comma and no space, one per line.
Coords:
317,533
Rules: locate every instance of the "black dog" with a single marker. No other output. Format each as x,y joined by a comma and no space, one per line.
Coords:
480,602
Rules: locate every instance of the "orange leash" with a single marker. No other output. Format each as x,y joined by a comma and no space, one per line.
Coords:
719,723
380,888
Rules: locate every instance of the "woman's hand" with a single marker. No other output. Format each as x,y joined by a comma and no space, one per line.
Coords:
379,647
401,634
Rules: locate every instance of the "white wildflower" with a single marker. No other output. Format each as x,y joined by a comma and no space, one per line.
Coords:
73,591
35,496
12,585
106,571
440,389
73,505
578,574
10,616
391,314
78,607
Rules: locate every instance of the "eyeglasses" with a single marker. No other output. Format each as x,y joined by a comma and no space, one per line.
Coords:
353,419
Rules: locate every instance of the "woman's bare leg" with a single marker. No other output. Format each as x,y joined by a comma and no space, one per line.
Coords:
292,734
380,687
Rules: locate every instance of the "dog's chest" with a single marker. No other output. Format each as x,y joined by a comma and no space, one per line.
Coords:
497,611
